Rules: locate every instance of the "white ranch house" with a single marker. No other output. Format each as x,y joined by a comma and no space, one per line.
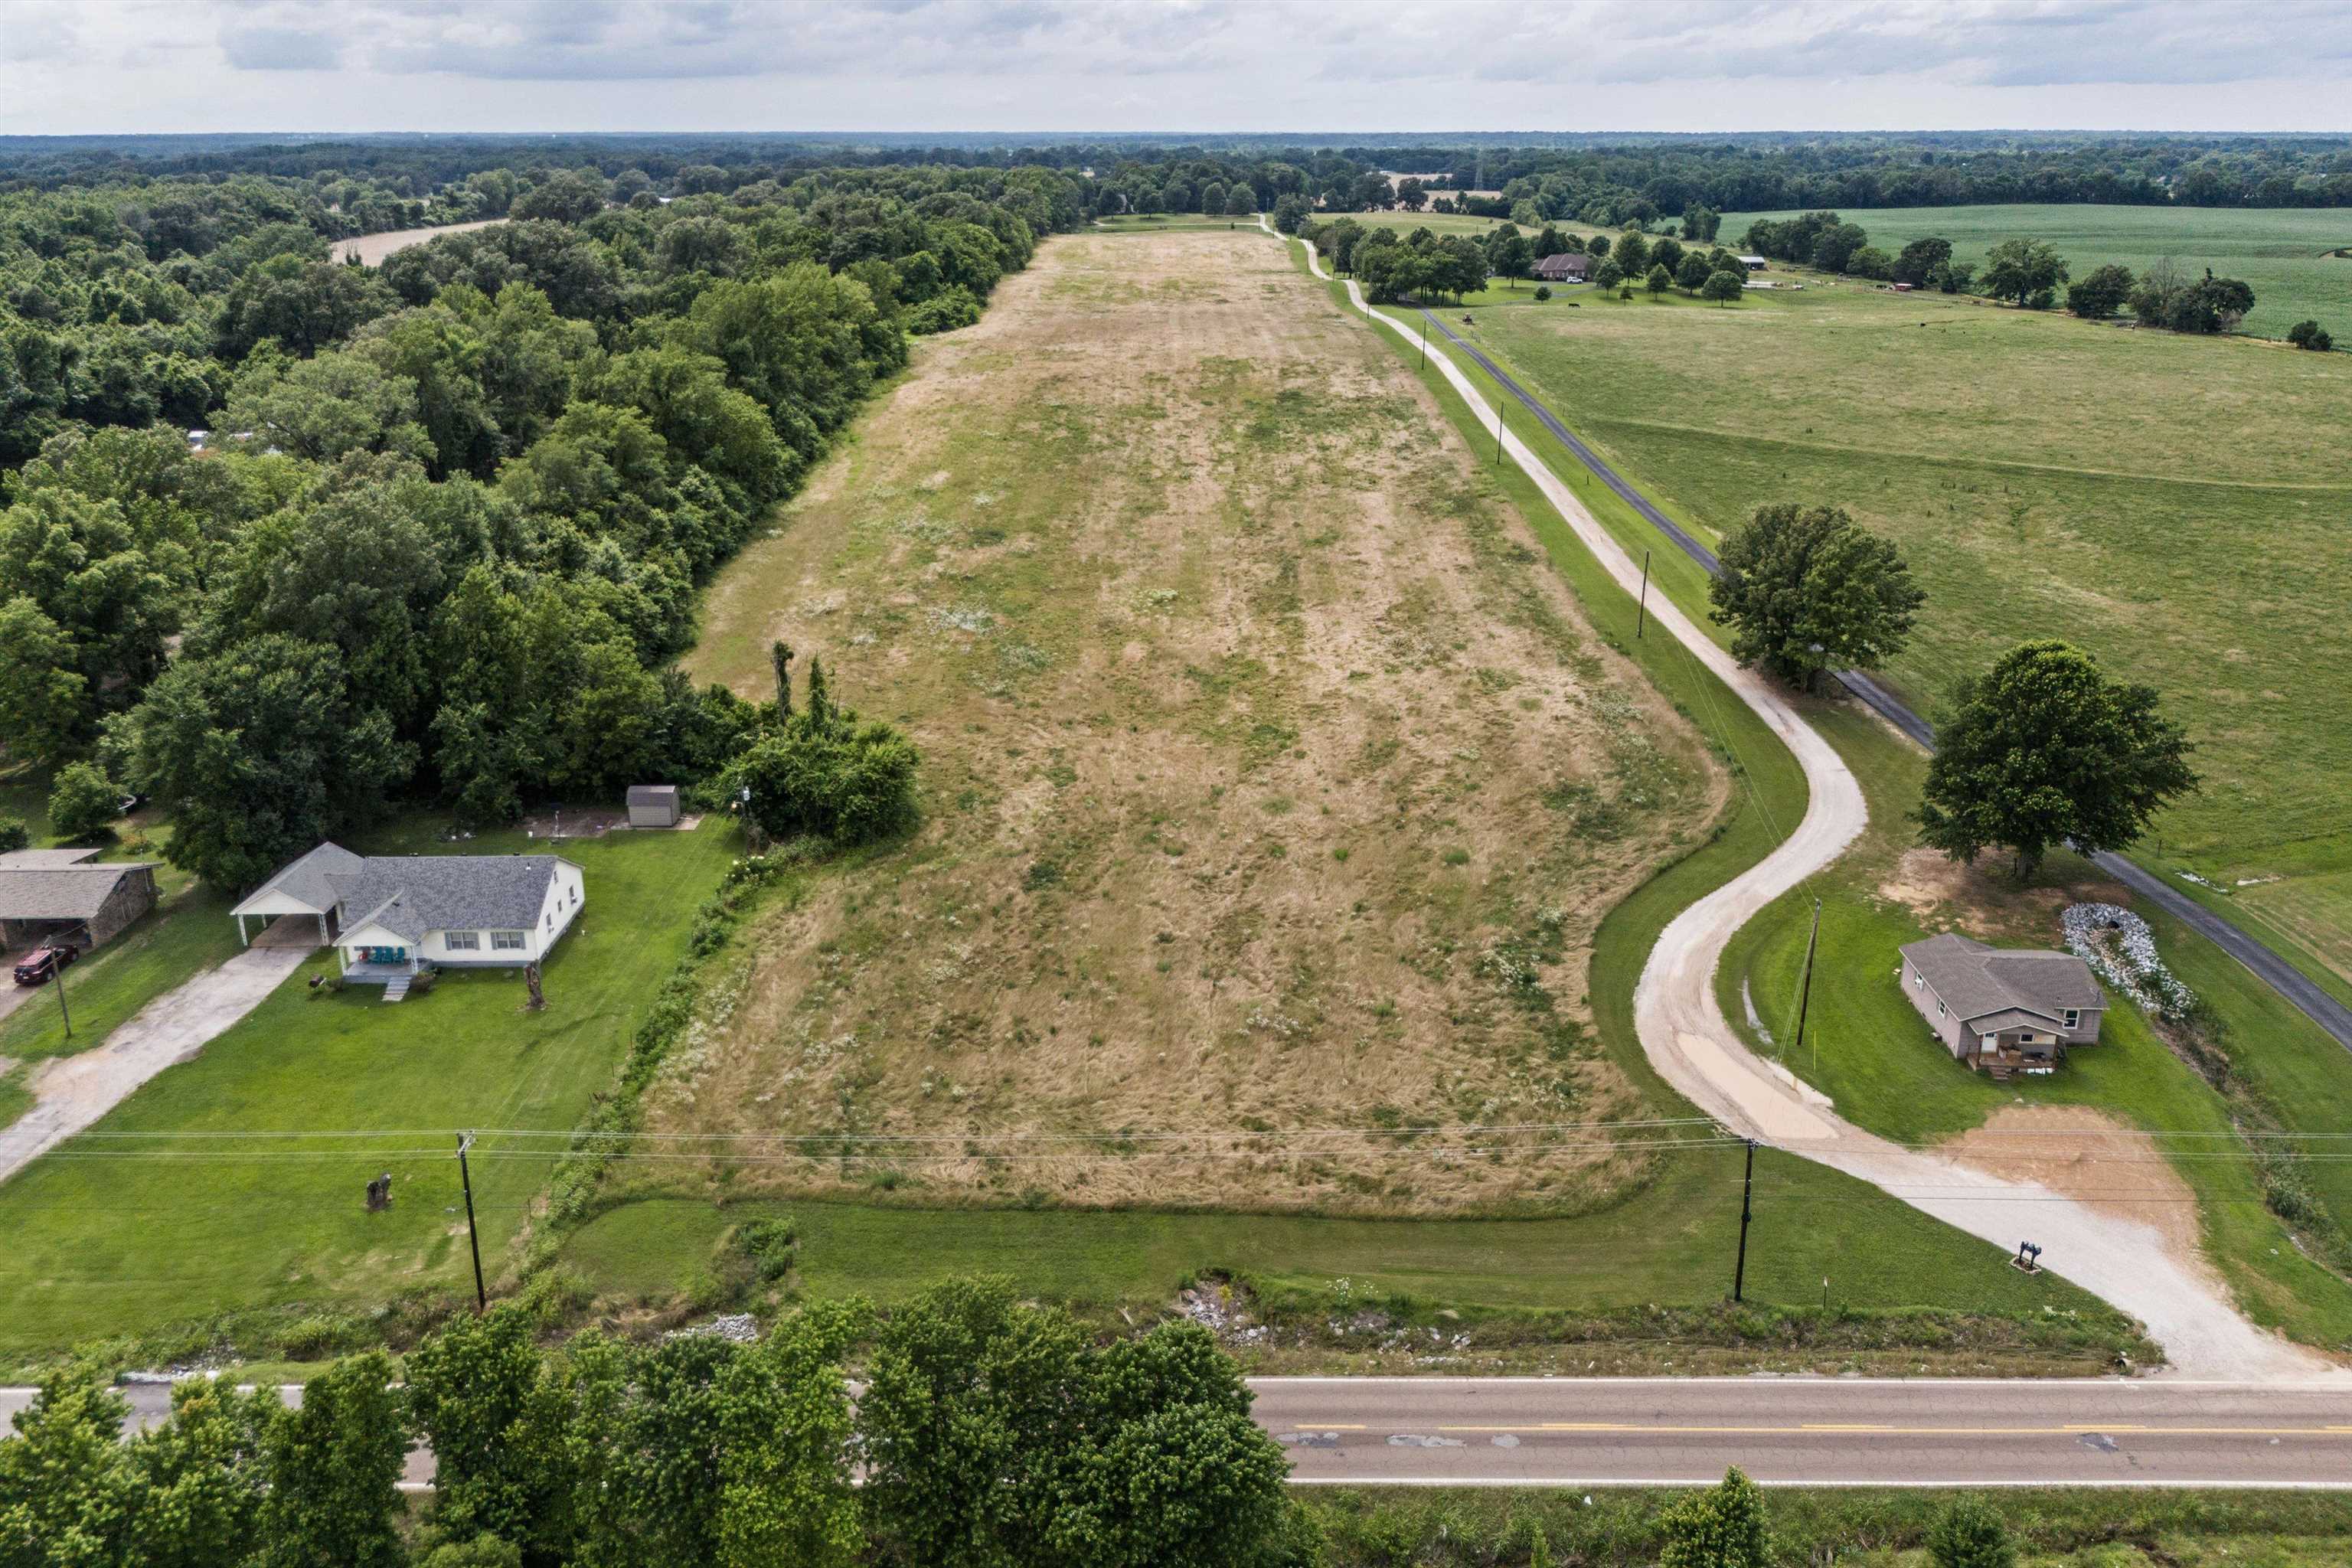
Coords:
389,916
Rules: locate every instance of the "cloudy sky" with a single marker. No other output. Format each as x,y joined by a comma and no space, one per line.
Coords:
81,66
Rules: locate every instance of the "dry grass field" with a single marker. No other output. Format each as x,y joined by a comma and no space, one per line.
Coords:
1273,781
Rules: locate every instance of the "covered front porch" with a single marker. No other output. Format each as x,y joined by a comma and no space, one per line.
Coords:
374,965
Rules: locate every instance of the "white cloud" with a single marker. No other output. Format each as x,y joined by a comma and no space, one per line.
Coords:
1058,66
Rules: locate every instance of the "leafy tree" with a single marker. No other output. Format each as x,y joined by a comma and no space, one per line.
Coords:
2310,335
822,771
1239,202
102,579
1835,244
713,1453
83,802
1631,256
1807,589
257,752
329,407
200,1476
14,834
1869,261
1543,292
1919,260
1722,1527
2046,749
1608,275
1289,211
302,304
1693,274
2213,305
44,701
69,1494
333,1468
2024,270
1658,281
1668,253
568,195
1700,222
1171,1488
1510,255
1722,287
500,1426
962,1421
1968,1533
2102,293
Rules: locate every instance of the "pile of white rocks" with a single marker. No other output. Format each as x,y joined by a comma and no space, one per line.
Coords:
2121,951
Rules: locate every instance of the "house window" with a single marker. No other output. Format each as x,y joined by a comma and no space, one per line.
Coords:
551,920
2073,1018
1939,1009
509,941
1918,980
462,941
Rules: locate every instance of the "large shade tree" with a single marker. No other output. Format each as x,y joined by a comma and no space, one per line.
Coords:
2046,750
1805,588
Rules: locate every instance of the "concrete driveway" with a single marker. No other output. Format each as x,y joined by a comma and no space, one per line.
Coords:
71,1092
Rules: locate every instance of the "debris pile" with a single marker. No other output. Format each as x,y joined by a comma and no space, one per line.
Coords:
2121,951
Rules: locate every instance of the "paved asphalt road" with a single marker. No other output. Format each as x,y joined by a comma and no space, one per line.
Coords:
1807,1431
1589,1432
2318,1005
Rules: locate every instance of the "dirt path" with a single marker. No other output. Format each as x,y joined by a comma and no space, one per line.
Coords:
1693,1046
71,1092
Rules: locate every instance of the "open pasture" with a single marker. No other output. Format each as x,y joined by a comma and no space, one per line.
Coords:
2281,252
2159,499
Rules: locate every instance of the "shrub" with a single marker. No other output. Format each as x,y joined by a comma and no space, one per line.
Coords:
1543,291
943,312
822,771
83,801
772,1244
1970,1534
13,834
1722,1527
2310,335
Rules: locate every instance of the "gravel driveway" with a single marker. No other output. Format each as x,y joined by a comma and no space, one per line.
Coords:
71,1092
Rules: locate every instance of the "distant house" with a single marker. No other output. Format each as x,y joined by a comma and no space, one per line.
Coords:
1567,266
653,806
2003,1010
64,893
389,916
1754,263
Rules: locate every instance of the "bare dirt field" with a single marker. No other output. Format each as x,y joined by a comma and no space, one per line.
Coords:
1272,780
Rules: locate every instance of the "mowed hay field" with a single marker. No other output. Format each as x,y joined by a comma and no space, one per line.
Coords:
2172,503
2282,253
1272,781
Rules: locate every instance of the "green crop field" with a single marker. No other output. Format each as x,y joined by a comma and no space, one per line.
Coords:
2281,252
2160,500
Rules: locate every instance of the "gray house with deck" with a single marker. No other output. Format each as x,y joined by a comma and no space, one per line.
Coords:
2003,1010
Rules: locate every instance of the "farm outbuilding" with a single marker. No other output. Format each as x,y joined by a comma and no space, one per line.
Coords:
44,894
653,806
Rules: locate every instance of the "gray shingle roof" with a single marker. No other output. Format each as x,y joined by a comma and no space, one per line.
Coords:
309,879
412,894
44,859
1975,979
652,795
61,892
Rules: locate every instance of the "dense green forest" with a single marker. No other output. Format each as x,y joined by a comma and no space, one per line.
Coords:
442,536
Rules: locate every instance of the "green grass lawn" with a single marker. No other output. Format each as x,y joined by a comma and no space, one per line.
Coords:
2033,469
103,1245
2281,252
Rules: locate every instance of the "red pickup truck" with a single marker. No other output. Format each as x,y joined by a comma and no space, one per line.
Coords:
44,961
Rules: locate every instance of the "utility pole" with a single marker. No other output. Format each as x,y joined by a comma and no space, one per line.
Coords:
57,978
1642,613
1747,1187
1805,991
482,1296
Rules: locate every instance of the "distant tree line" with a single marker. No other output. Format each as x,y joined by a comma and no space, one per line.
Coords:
2025,272
444,538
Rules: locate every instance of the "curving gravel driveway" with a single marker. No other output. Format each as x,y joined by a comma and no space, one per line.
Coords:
2184,1305
71,1092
